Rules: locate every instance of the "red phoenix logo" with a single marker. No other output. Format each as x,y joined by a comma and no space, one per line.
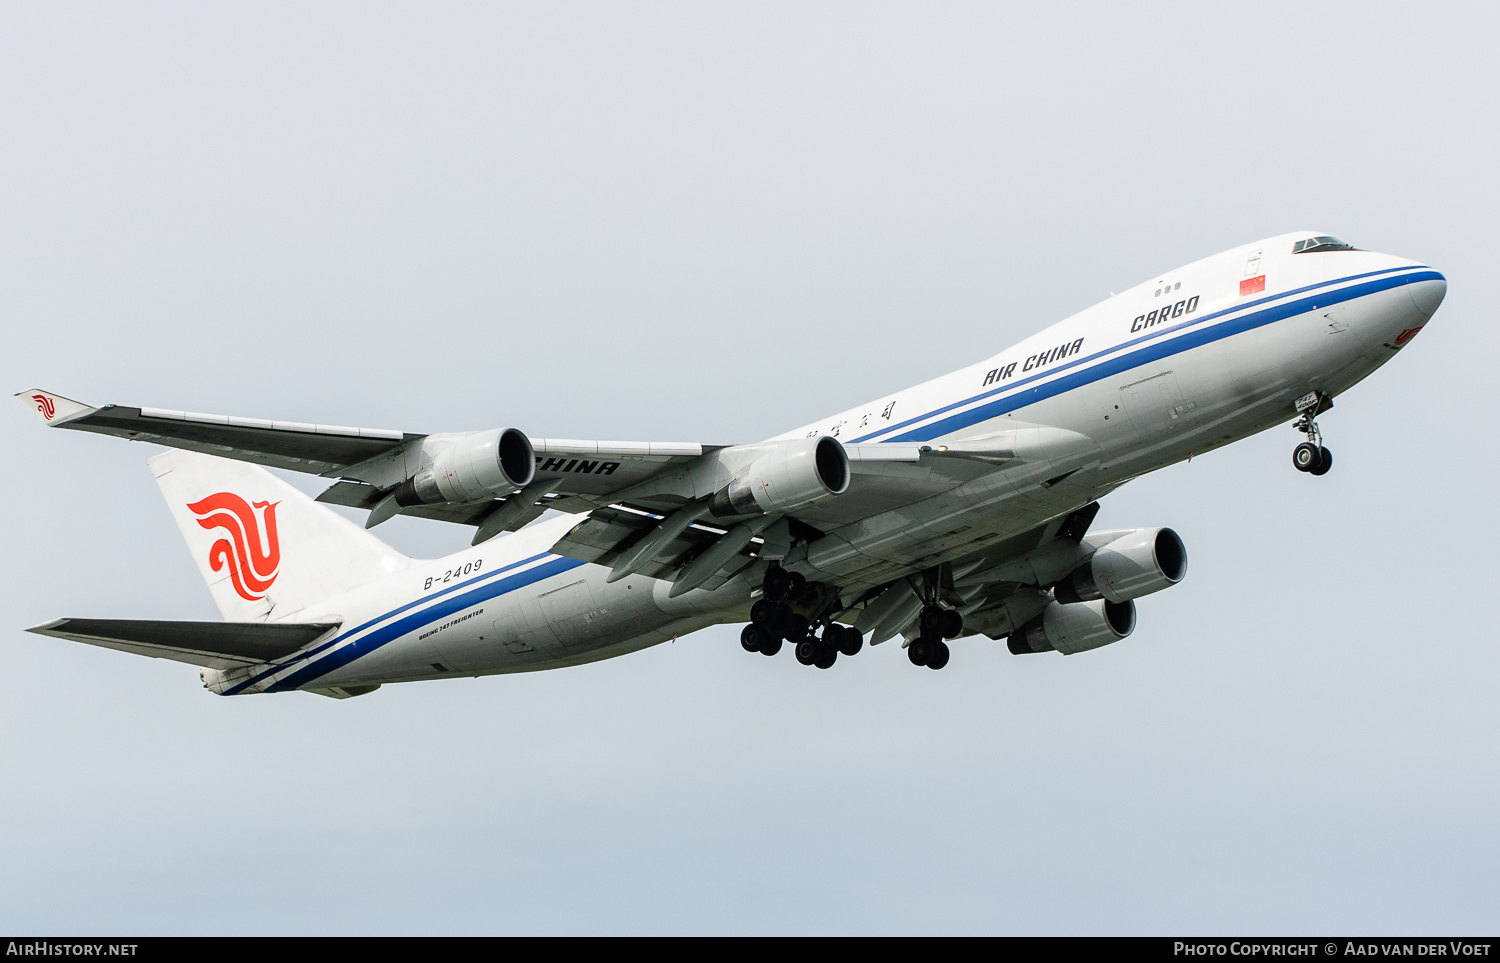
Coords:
252,550
45,406
1401,338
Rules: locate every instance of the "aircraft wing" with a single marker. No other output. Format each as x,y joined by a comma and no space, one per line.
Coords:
571,475
321,449
646,507
217,645
646,502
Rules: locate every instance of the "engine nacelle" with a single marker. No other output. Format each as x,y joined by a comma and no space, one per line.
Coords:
1076,627
790,476
477,465
1127,568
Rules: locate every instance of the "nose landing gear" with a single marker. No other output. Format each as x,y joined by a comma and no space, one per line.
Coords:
1311,456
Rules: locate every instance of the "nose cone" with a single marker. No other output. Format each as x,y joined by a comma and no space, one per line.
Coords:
1428,293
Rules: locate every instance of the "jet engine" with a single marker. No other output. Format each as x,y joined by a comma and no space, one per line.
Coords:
1076,627
1137,564
790,476
476,465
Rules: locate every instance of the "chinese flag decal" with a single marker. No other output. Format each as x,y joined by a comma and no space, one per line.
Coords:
1252,285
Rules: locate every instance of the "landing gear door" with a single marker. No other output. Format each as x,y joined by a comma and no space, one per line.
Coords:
1156,406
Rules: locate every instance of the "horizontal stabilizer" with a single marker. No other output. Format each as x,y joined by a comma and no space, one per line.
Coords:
218,645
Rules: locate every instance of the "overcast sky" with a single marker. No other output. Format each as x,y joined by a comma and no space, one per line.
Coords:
714,223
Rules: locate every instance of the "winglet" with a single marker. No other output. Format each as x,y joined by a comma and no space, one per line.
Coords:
53,408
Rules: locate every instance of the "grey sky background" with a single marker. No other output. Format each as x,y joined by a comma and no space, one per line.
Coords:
714,223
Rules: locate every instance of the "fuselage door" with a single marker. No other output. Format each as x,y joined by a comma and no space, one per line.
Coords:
571,615
1156,406
505,632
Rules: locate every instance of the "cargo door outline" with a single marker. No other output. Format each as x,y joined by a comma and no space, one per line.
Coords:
570,613
507,634
1156,406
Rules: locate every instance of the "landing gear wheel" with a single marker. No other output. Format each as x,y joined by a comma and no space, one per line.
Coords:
932,622
775,584
827,655
850,641
770,617
807,651
770,646
794,627
750,638
918,651
1311,456
953,623
939,655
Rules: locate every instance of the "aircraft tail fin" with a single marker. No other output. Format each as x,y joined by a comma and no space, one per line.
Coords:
266,550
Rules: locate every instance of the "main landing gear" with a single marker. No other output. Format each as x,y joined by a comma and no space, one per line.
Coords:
936,624
793,610
1311,456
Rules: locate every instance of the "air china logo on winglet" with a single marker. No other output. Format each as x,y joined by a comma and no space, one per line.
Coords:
45,406
252,550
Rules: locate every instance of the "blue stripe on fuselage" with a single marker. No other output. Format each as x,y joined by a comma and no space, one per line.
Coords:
341,657
344,636
1017,399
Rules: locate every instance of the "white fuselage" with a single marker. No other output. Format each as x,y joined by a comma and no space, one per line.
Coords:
1174,367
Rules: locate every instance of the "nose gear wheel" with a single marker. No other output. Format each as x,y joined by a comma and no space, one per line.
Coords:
1311,456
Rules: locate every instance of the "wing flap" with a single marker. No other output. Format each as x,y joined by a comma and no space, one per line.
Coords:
459,513
218,645
359,495
607,532
351,495
603,533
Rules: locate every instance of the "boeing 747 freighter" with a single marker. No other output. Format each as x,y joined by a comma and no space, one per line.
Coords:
954,512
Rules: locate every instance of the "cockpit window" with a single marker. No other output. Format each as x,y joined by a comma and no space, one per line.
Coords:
1321,244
